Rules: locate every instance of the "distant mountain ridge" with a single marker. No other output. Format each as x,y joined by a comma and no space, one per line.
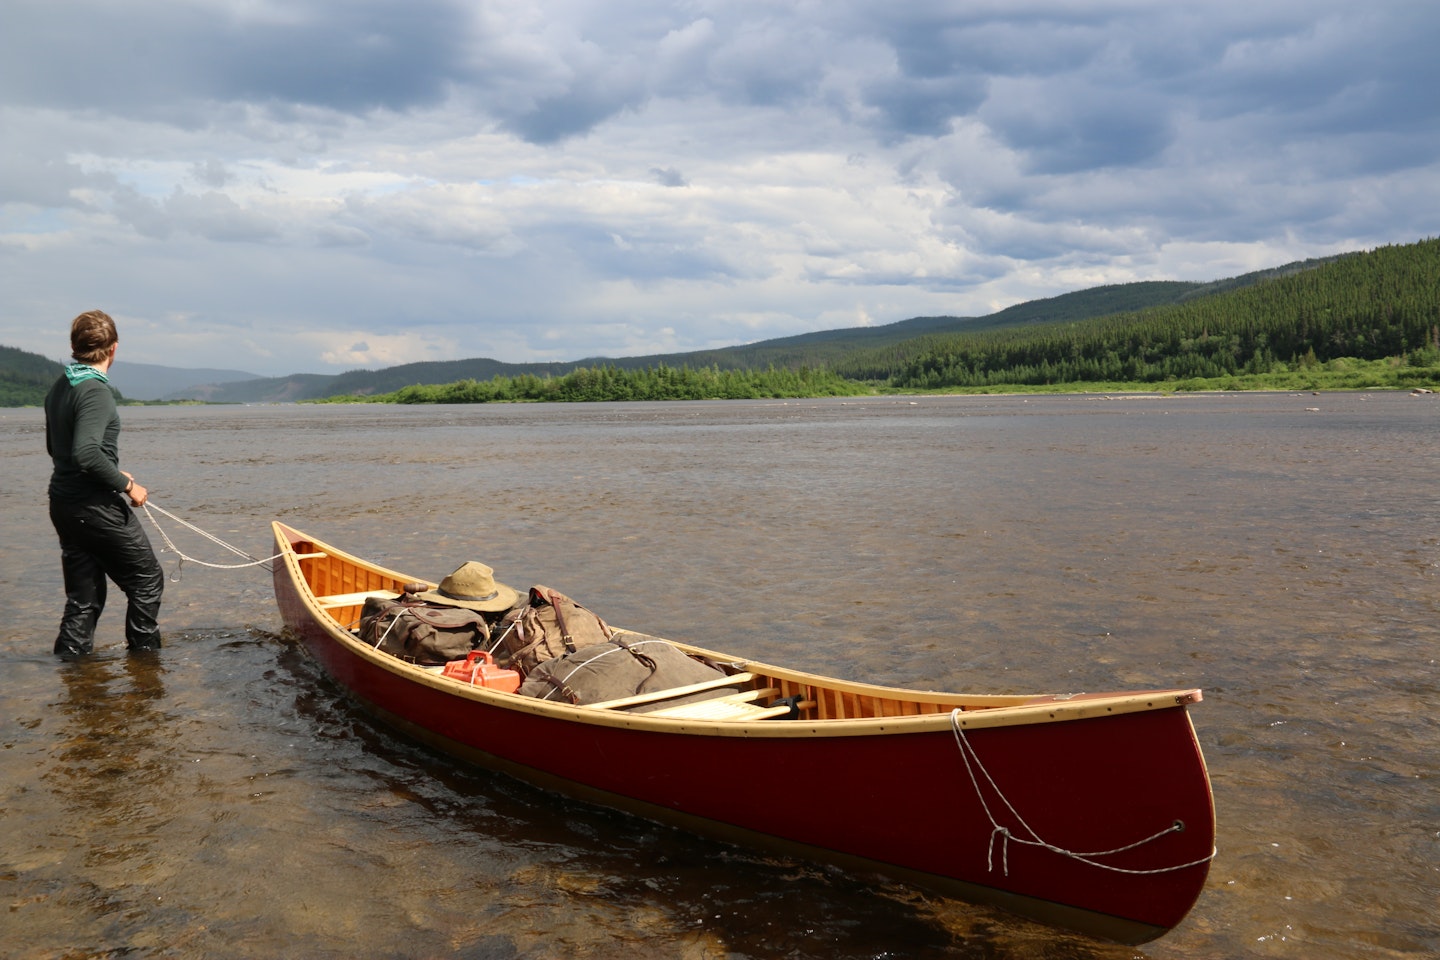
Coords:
148,381
25,377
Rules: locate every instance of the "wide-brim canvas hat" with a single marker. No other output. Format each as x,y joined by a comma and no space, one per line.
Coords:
473,585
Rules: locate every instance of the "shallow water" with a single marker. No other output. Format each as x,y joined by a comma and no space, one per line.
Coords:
225,800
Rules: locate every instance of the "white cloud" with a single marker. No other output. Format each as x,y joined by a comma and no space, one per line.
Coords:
367,349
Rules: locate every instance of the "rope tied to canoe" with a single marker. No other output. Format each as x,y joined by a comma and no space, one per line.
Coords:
1003,836
170,544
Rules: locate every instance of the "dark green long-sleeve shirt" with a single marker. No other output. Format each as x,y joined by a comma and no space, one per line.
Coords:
82,436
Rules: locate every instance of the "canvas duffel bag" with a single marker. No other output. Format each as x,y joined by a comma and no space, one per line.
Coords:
625,665
421,632
550,625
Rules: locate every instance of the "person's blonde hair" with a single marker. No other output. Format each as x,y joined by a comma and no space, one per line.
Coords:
92,334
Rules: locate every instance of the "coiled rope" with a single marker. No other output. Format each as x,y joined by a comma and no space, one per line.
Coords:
1005,836
170,544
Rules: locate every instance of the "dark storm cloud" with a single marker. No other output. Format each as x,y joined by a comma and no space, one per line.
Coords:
1358,87
1065,129
143,57
1074,87
945,60
1133,64
924,106
586,101
667,176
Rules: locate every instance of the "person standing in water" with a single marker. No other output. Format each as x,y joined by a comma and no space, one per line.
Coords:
100,536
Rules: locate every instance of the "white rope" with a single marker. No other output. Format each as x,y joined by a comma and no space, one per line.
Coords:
496,645
1005,835
170,544
393,621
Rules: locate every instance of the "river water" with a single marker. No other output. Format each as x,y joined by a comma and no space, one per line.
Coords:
224,800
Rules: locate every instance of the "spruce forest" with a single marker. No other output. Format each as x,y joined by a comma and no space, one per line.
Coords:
1377,306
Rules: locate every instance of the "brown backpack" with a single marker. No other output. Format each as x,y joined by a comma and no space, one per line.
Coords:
420,632
550,625
629,664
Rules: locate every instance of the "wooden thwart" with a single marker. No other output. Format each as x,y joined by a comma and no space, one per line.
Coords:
353,599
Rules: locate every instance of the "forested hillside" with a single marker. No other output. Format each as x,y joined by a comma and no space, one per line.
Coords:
25,377
836,348
1371,306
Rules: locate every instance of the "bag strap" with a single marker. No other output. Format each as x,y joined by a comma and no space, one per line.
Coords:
565,689
517,657
634,651
553,598
559,619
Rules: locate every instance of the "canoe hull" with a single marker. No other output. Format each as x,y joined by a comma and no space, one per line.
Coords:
932,803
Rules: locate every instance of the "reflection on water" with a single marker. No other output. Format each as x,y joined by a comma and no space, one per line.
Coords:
108,768
225,800
102,844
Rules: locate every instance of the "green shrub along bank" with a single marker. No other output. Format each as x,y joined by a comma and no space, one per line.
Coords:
610,384
607,384
1345,373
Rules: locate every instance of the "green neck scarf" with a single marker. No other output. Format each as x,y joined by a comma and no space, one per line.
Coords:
80,372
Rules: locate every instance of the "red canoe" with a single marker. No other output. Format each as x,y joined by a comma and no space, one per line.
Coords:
1091,812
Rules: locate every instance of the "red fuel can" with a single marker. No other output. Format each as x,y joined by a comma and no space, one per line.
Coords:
478,669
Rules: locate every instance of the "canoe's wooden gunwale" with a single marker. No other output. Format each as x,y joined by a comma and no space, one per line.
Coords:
843,707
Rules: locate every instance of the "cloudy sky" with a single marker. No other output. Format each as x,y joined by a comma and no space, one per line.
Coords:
287,186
